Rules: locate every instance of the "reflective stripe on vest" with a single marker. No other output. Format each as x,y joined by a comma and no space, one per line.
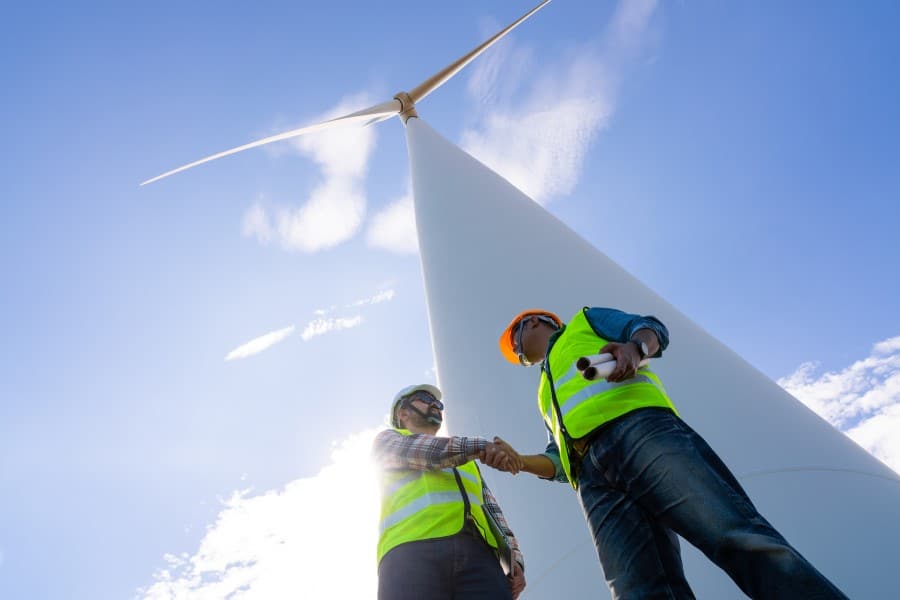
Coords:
572,372
392,487
596,388
421,505
585,405
466,475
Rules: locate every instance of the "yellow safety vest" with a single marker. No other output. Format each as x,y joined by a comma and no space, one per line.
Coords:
573,406
424,505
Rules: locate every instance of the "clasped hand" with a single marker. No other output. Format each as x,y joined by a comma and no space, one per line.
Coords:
501,456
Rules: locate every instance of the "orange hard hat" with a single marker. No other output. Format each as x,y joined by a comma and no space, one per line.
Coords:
506,342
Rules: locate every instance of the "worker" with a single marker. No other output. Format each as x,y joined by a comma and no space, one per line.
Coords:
442,534
641,473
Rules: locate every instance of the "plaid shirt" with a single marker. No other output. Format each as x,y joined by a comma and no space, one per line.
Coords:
424,452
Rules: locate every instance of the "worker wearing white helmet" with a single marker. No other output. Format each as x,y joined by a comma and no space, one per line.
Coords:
442,534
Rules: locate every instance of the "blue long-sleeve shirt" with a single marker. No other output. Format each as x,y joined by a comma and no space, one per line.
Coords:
613,325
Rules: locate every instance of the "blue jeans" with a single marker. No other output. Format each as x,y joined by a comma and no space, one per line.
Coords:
648,476
459,567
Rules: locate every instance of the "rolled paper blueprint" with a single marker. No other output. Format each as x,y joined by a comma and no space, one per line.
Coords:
588,361
603,369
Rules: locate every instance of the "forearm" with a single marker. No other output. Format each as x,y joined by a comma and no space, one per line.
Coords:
648,336
548,464
423,452
651,331
616,326
540,465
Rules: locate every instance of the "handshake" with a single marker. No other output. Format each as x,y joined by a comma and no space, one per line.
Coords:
503,457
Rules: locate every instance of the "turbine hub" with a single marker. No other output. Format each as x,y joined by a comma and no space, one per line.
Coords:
407,106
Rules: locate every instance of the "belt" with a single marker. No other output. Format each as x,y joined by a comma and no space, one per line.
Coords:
583,444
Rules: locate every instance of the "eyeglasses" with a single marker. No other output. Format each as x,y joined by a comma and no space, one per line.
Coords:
425,397
517,338
517,344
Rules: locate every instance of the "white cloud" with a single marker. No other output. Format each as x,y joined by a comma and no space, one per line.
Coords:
385,295
334,211
382,296
862,400
628,28
880,435
539,142
318,326
256,224
257,345
322,326
290,543
394,227
333,214
888,346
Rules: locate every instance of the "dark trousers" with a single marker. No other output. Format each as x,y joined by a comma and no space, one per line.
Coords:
649,476
460,567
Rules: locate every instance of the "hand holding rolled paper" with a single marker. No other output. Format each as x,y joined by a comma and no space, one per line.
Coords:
599,366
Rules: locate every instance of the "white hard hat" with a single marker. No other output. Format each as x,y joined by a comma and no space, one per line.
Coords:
406,392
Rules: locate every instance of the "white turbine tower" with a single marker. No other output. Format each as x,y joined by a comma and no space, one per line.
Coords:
837,504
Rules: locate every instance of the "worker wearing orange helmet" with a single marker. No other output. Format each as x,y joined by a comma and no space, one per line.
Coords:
641,473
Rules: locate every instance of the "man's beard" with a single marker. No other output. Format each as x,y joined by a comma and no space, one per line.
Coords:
422,421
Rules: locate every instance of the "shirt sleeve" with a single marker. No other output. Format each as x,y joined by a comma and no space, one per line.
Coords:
424,452
490,505
552,454
616,326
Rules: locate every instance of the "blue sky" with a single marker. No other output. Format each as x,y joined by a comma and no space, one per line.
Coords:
756,149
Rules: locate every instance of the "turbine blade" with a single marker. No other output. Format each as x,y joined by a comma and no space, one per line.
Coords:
380,118
373,114
439,78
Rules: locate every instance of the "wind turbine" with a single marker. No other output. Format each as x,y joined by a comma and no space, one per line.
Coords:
836,503
403,103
